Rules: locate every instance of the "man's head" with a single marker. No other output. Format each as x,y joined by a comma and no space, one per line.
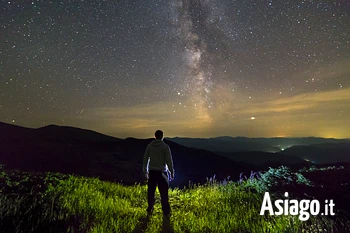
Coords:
158,134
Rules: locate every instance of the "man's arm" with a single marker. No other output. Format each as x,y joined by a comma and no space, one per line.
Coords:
145,161
169,161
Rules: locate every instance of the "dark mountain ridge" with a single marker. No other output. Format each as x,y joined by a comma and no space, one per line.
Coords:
88,153
229,144
321,153
265,159
269,151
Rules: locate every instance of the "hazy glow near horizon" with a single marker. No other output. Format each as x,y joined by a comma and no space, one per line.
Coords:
191,68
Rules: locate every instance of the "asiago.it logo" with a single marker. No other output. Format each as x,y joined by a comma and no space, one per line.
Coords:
303,208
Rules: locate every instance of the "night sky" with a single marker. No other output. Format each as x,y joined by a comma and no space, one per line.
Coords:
262,68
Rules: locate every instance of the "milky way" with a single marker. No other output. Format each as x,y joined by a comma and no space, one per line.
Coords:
195,68
190,21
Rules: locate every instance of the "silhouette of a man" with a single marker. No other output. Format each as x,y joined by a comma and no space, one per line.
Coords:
156,160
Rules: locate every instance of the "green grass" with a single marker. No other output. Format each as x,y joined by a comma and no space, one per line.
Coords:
79,204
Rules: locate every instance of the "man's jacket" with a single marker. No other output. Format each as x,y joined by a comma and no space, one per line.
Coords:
158,157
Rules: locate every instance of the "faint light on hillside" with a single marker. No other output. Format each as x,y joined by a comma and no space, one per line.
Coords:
285,147
308,160
252,118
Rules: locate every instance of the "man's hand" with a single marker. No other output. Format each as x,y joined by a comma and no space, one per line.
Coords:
146,175
171,176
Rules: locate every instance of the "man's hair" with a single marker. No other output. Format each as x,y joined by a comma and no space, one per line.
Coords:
158,134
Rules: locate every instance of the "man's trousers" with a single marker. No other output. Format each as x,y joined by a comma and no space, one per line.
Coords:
161,179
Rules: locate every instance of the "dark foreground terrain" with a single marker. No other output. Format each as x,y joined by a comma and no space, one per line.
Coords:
65,179
53,202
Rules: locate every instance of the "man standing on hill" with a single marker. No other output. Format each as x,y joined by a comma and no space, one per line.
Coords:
155,162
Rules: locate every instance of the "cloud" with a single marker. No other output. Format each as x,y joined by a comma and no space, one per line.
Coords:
142,119
299,115
307,102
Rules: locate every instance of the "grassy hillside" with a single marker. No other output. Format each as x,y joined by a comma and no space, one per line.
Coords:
52,202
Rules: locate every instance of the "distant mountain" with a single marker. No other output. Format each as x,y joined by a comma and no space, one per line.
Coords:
52,132
264,152
85,152
228,144
66,133
225,144
321,153
265,159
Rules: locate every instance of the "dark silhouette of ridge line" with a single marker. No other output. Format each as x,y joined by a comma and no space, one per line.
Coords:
77,151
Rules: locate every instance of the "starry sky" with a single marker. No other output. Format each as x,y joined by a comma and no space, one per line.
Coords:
193,68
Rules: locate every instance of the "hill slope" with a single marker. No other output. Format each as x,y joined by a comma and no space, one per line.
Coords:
78,204
265,159
322,153
238,144
88,153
